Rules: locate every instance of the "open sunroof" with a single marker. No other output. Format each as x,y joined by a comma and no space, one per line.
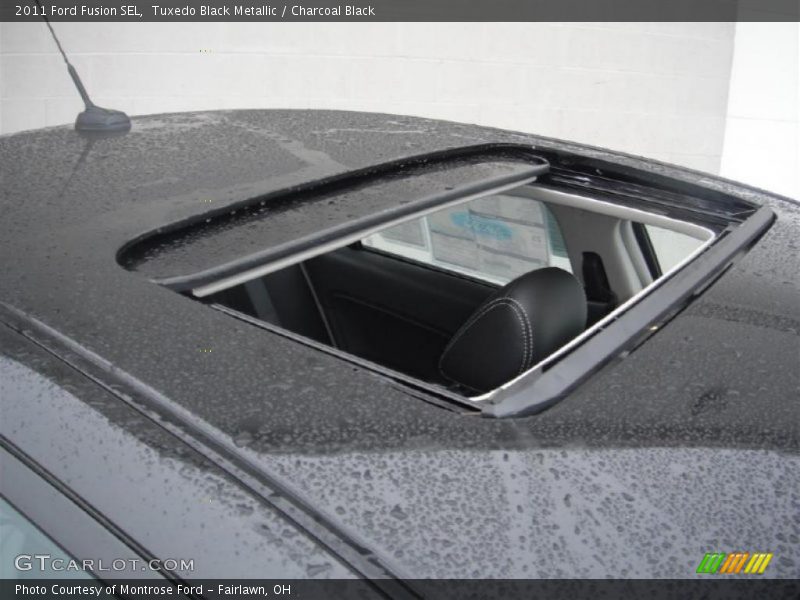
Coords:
221,249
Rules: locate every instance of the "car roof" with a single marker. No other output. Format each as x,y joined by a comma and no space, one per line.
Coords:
721,374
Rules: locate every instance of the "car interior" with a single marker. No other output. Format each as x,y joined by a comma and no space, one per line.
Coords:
474,294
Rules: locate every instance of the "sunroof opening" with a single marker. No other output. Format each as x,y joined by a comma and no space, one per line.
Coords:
470,296
470,278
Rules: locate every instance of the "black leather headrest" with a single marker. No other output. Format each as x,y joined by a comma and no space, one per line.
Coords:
515,328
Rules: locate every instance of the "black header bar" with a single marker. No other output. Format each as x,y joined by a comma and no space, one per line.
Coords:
402,10
708,588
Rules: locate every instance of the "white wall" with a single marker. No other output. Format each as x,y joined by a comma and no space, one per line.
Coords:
656,89
762,132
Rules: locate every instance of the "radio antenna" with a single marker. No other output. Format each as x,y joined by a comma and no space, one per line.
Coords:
93,118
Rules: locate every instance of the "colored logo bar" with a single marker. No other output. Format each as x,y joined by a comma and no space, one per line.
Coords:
734,563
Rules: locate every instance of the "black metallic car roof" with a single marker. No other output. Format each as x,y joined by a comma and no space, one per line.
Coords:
686,439
161,495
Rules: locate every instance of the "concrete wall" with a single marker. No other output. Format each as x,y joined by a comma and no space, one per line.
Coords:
655,89
762,133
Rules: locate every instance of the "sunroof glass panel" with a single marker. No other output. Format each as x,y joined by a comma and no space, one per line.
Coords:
271,225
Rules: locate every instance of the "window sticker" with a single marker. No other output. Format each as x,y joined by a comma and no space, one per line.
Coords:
496,238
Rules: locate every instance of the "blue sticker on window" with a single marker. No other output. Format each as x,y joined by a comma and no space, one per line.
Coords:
482,226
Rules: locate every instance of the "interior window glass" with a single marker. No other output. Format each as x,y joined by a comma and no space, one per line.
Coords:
671,247
20,537
496,238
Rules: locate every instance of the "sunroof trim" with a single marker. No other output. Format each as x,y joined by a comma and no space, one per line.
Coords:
540,387
581,200
625,212
601,324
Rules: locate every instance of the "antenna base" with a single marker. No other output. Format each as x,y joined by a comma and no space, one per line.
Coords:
98,119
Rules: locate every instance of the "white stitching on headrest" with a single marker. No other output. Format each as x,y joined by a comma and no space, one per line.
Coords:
528,336
525,326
